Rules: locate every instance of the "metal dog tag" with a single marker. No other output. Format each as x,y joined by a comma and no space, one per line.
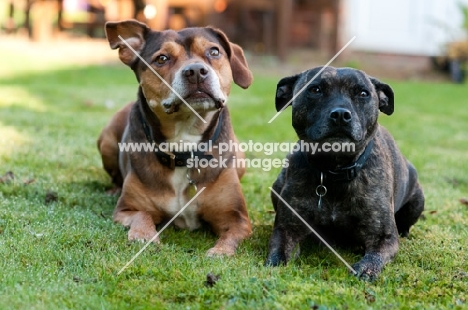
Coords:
321,191
192,186
192,189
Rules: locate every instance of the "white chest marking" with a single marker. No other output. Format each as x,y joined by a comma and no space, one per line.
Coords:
186,133
188,218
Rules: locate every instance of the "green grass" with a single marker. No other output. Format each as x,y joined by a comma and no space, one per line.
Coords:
66,253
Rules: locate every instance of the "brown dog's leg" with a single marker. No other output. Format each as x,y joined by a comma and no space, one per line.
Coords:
108,145
141,223
226,212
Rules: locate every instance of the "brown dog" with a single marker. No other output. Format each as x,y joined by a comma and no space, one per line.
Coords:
200,65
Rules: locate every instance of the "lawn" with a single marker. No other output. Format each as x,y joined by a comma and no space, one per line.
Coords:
61,250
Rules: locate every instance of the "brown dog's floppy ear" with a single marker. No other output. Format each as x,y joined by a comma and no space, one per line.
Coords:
386,97
133,32
240,70
284,91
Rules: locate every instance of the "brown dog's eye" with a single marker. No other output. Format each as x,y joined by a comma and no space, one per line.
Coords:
213,52
161,59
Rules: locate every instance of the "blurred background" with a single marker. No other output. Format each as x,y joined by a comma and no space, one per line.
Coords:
400,39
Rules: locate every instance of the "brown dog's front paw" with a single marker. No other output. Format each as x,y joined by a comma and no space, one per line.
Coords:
369,267
220,251
143,235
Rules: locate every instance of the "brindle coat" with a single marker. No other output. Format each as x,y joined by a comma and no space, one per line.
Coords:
384,200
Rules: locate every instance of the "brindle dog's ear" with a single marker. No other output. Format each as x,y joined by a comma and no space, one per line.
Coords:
385,94
284,91
133,32
240,70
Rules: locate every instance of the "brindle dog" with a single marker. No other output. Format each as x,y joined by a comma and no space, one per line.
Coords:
368,195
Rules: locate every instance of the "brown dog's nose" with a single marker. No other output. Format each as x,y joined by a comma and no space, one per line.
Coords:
195,73
340,116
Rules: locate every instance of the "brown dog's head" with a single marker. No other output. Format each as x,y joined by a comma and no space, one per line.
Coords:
199,64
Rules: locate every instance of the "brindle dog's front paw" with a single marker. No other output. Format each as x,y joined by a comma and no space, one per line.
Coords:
135,234
369,267
275,260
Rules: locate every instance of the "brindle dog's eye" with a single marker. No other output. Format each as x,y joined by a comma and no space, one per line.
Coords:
364,94
161,59
213,52
315,90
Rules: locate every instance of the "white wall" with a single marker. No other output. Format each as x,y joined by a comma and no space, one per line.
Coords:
414,27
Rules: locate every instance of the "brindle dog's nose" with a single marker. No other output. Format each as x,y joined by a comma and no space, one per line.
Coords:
340,116
195,73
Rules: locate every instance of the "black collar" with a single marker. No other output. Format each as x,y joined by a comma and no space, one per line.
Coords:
346,173
179,159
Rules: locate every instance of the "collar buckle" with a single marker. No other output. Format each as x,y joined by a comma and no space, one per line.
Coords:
351,172
348,173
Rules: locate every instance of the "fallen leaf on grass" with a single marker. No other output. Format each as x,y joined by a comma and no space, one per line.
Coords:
369,295
29,181
433,212
211,279
50,197
7,177
460,275
76,279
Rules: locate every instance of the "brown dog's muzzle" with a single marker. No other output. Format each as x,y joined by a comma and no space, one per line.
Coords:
199,84
195,73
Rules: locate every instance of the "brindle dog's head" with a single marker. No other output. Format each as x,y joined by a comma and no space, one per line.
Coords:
339,105
198,63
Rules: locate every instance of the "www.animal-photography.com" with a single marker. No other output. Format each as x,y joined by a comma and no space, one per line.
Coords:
227,154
